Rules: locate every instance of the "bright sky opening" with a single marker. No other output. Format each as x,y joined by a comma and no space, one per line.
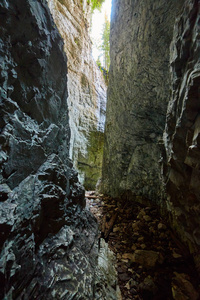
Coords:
97,26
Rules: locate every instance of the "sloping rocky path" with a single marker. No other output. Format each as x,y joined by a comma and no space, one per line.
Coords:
151,261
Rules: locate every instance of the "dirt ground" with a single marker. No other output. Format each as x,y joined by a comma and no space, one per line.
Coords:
151,262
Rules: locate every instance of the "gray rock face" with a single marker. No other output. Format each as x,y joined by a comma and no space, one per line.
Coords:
141,84
48,242
181,136
86,89
138,93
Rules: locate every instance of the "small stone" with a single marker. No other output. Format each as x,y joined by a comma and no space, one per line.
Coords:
147,208
141,214
148,285
176,255
133,247
124,242
129,256
140,239
121,268
140,267
116,229
162,226
147,259
119,256
136,234
125,260
147,218
137,275
133,283
131,271
124,277
127,286
159,248
133,291
135,226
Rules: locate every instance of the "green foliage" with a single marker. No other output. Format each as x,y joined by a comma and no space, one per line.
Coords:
95,4
103,70
98,62
105,47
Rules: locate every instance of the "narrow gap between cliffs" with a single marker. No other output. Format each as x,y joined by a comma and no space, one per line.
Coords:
151,262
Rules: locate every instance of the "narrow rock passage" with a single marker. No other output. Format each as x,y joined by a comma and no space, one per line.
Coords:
151,262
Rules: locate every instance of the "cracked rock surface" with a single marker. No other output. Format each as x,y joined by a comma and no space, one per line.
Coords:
48,241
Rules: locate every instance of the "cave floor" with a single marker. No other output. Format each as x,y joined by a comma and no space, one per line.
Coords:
151,262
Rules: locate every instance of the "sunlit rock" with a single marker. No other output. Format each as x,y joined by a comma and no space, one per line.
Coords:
86,88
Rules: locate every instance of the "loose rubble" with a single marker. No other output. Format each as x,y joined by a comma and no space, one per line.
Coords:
151,262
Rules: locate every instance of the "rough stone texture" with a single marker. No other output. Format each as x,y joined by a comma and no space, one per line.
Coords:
48,241
141,84
138,93
147,258
86,87
181,136
182,288
106,274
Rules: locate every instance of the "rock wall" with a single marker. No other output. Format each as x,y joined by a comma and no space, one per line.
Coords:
155,64
182,131
49,242
86,88
138,93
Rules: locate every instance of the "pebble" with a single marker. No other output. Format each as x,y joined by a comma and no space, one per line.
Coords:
147,218
138,239
148,285
127,286
124,260
147,258
121,269
133,247
135,226
143,246
124,276
128,256
133,283
161,226
141,214
116,229
136,233
133,291
176,255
